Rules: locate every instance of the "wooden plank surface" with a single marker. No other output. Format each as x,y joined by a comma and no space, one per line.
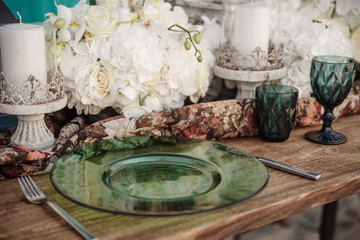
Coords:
285,195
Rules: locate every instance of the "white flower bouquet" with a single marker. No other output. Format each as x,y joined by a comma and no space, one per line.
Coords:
135,56
311,28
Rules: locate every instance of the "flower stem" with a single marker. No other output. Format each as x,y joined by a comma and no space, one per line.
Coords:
139,99
188,32
334,10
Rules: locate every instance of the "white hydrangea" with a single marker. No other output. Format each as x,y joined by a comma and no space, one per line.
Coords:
304,39
129,60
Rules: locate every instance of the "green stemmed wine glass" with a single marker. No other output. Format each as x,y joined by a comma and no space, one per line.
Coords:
331,80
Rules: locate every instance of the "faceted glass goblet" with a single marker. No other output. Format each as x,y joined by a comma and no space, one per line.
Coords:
331,80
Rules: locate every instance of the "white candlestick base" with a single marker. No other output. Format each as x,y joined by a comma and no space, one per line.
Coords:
247,81
32,131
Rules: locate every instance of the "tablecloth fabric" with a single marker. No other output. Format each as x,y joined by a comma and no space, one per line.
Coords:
209,121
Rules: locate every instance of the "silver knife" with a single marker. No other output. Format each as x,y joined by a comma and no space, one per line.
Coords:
289,169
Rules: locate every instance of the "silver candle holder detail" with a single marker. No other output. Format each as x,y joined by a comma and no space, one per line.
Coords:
248,57
31,83
258,60
29,102
37,92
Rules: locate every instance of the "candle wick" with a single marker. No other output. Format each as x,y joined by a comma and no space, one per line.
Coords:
19,16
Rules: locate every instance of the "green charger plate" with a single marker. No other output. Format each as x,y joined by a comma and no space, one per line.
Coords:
151,175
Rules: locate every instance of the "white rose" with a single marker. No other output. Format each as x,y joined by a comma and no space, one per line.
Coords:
89,82
101,21
101,86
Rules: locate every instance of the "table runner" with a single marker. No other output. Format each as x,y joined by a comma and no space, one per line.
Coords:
210,121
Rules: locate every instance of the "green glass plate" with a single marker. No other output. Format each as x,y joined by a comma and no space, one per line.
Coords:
150,175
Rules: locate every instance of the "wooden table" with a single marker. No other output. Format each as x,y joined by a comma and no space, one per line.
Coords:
285,195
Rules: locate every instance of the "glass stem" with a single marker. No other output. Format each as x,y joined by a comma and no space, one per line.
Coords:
327,118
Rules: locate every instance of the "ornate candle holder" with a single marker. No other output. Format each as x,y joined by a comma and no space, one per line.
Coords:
30,83
247,57
30,102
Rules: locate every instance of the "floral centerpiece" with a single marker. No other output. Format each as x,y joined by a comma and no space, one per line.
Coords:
309,28
135,56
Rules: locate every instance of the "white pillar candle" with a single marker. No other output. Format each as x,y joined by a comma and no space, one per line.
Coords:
23,54
251,28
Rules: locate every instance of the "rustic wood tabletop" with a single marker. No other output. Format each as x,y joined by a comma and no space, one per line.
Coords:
284,195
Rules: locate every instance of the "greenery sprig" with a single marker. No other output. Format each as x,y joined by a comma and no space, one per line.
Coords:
190,40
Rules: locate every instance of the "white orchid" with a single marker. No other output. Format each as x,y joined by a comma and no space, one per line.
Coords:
61,21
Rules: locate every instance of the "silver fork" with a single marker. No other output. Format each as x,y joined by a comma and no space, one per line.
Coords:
34,195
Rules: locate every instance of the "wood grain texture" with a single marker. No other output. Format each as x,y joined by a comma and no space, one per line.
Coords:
285,195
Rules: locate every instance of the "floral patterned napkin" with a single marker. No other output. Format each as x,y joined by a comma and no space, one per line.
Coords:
209,121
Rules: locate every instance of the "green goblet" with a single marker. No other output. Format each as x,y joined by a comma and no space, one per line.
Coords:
331,80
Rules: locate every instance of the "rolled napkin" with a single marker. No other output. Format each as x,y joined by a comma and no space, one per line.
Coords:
210,121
